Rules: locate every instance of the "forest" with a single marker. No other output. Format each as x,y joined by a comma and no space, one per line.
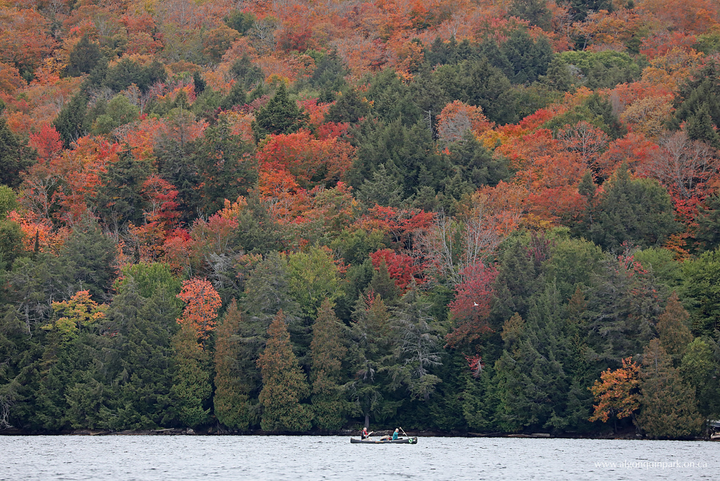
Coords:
306,216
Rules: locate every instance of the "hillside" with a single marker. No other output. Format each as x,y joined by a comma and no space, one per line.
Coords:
294,216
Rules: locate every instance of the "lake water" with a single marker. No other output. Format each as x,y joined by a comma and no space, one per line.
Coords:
334,458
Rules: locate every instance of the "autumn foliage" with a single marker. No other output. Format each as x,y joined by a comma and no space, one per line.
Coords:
202,303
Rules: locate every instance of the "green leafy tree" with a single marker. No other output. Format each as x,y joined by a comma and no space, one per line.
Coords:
284,384
119,111
701,278
700,368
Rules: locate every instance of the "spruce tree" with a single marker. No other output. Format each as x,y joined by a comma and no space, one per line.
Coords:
418,348
144,374
71,123
284,384
668,405
15,156
327,352
233,407
369,354
673,330
83,57
191,387
281,115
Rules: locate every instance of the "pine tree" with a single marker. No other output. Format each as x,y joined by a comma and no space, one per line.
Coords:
418,345
119,198
284,384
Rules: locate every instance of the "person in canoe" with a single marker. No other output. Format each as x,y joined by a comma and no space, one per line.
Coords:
364,434
395,434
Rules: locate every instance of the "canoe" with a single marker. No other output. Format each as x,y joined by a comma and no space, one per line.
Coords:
384,441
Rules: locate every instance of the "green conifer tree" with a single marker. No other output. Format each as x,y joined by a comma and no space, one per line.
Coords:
668,406
281,115
231,400
327,352
191,387
284,384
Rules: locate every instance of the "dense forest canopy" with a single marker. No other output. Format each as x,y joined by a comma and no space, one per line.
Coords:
294,216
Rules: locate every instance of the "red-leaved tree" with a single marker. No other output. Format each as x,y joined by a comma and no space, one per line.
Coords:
471,307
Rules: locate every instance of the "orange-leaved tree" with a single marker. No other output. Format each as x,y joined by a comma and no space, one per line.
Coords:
617,392
203,303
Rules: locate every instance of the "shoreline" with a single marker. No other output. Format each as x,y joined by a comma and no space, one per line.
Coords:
626,435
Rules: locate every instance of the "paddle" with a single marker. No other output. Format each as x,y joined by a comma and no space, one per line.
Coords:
401,429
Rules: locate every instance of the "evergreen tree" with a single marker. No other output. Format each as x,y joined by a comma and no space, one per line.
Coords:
534,11
417,346
236,96
83,57
71,122
672,329
636,211
233,407
327,352
258,232
369,351
348,107
708,220
284,384
246,74
623,305
668,406
530,374
226,168
529,59
119,197
281,115
89,259
144,376
384,189
15,156
191,387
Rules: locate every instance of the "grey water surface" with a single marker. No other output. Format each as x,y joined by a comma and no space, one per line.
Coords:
334,458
